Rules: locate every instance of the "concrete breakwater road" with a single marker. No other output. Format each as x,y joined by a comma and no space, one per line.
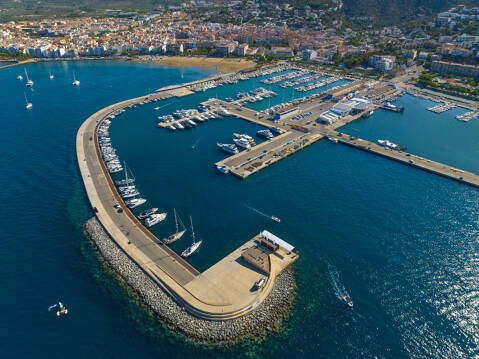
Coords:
222,292
424,164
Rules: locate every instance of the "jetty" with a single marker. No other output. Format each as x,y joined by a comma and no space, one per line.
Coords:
408,159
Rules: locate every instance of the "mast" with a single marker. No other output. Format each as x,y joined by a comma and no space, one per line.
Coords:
176,220
126,173
26,74
192,231
26,98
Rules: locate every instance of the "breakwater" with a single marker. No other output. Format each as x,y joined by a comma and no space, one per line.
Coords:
267,316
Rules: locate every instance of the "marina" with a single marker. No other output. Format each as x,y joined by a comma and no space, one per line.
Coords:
170,272
301,122
344,191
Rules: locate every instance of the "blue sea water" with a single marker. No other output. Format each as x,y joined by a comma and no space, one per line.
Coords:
401,242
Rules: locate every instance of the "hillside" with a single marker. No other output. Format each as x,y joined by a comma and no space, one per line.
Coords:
389,12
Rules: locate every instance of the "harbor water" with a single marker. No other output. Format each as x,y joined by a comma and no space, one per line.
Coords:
400,242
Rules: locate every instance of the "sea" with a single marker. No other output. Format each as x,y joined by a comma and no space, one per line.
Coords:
402,243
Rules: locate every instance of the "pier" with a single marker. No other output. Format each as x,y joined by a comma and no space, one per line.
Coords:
443,107
408,159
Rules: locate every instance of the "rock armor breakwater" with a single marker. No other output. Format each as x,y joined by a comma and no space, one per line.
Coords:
266,317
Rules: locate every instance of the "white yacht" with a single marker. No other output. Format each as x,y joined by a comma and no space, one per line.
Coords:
223,169
28,105
19,77
194,246
245,137
228,148
29,82
242,143
147,213
179,126
155,219
178,234
51,76
266,134
223,112
75,81
130,193
135,202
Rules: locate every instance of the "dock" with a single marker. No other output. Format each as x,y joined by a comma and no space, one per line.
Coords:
443,107
408,159
468,116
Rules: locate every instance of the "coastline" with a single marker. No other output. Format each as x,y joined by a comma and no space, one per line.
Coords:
226,65
266,317
23,62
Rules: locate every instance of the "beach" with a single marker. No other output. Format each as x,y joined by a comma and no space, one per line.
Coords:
220,64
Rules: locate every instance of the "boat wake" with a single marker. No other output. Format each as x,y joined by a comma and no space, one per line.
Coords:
339,289
196,143
257,211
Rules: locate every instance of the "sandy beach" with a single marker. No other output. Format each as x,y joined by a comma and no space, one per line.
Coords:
221,64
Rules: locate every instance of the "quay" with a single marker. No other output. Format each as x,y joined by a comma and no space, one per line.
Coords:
222,292
408,159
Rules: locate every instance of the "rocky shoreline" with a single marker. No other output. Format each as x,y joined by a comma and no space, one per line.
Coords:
266,317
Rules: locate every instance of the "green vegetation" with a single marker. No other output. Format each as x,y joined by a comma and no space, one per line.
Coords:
18,57
427,79
398,12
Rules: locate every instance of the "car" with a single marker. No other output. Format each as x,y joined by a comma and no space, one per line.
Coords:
120,210
117,205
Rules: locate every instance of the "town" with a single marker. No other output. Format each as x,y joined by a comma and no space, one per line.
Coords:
446,49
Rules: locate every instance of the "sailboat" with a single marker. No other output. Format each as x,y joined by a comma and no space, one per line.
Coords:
75,81
29,82
51,76
127,180
178,234
194,246
28,105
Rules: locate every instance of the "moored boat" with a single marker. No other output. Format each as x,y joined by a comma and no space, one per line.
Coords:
178,234
147,213
194,246
155,218
135,202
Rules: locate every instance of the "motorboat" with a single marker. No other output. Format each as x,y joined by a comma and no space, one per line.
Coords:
135,202
155,219
348,300
228,148
223,169
242,143
147,213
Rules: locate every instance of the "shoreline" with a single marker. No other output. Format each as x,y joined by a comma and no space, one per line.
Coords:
226,65
266,317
